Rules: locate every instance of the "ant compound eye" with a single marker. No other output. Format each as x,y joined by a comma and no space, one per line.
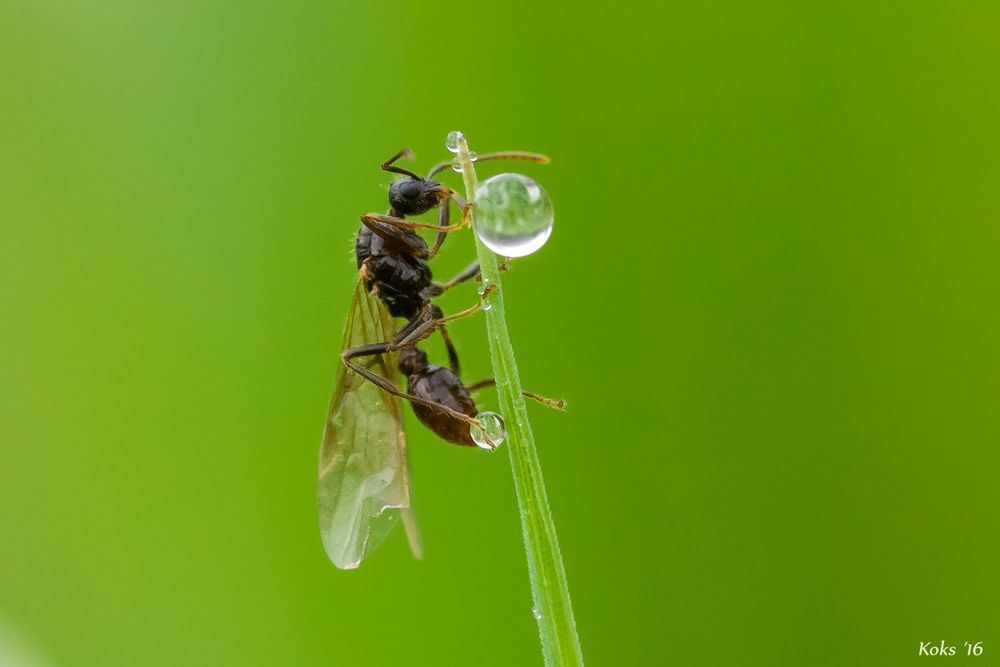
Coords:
413,196
409,189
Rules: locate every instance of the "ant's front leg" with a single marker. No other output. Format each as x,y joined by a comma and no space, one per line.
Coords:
395,237
403,223
444,217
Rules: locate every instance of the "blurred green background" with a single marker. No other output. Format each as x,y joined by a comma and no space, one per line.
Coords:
772,298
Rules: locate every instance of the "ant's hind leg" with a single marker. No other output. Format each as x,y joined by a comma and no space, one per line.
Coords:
384,384
415,331
555,404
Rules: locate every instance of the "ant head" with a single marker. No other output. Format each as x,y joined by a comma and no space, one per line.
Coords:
412,361
411,195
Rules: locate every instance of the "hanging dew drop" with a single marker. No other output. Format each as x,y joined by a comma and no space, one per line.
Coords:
513,215
492,428
451,143
456,163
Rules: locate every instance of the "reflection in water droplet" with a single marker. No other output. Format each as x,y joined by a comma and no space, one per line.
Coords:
513,215
451,143
492,427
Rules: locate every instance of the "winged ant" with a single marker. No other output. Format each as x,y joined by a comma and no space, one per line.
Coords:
364,478
393,260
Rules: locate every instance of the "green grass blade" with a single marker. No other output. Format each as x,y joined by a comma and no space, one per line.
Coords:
553,608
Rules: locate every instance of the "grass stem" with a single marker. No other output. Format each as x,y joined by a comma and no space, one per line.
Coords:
553,609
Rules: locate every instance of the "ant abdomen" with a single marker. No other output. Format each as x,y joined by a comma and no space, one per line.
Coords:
442,386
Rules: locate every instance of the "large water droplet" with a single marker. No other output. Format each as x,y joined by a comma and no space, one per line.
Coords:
492,428
451,143
513,215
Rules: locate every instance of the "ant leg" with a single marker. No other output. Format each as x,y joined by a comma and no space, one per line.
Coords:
423,325
559,404
444,216
452,354
444,212
468,311
416,325
468,273
384,384
415,330
403,223
388,166
555,404
394,236
504,155
418,329
482,384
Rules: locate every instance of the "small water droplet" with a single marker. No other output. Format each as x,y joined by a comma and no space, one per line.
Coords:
492,427
456,163
537,614
487,304
483,286
513,215
451,143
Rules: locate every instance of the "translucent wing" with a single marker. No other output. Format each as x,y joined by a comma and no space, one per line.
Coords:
364,475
